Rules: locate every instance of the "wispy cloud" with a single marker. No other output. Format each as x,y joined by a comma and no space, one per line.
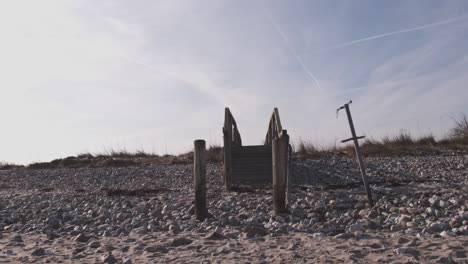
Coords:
431,25
150,73
293,51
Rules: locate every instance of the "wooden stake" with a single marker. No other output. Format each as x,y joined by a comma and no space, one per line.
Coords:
280,149
199,160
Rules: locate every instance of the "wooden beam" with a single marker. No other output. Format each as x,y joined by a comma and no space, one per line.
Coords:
274,127
277,119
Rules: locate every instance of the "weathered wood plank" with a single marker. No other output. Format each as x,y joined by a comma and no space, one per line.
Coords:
252,167
252,148
251,163
278,120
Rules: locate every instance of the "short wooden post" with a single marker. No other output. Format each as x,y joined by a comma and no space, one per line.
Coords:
288,179
227,133
280,172
199,170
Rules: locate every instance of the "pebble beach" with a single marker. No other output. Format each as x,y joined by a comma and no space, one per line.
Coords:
145,214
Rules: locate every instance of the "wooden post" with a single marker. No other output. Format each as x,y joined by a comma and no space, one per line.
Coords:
227,133
199,170
280,148
288,178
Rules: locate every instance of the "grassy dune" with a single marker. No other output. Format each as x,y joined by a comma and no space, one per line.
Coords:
399,145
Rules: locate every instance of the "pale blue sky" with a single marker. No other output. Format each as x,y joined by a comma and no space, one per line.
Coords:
89,76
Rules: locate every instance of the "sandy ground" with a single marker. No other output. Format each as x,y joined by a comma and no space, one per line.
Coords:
192,248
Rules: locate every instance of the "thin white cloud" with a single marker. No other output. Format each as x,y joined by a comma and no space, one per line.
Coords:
199,79
124,28
431,25
151,74
293,51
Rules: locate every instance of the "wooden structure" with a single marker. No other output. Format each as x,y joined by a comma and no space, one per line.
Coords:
257,163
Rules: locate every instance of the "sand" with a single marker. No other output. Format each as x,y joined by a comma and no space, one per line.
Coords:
194,248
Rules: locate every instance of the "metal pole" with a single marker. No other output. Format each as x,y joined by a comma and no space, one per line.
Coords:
358,154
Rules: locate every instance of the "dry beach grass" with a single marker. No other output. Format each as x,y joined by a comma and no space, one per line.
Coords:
403,144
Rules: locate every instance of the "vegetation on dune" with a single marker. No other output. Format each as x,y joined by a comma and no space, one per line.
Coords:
124,158
399,145
9,166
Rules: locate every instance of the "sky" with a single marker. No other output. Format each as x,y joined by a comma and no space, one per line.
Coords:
94,76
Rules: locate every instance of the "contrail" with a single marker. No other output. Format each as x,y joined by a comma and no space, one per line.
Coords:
139,62
199,78
451,20
293,51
